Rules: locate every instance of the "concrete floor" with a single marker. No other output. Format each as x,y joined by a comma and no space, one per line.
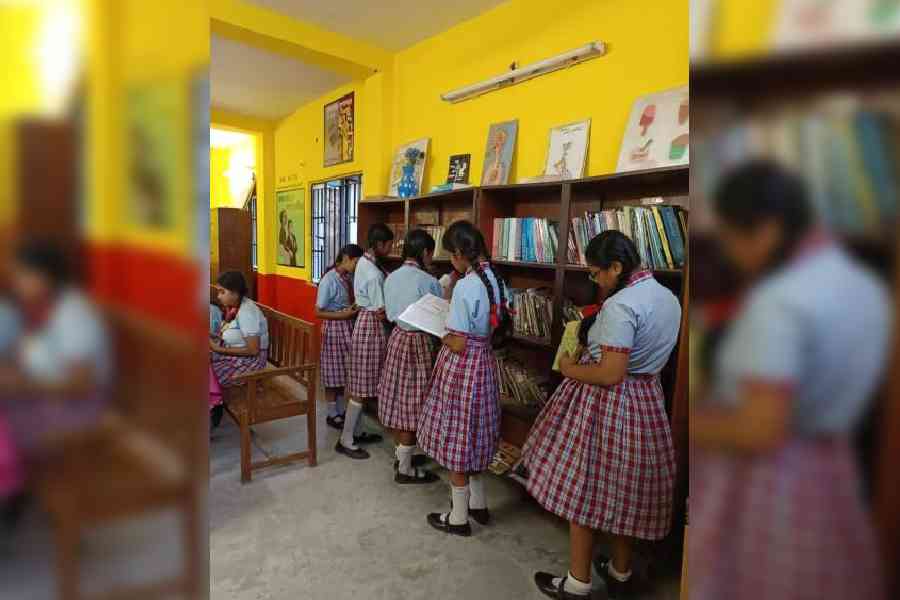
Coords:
344,529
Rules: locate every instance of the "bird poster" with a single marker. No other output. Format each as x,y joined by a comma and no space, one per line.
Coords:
657,131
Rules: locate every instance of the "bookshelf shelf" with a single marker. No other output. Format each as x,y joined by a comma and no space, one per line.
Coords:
534,342
524,265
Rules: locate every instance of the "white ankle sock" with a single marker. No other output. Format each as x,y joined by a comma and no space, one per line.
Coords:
573,586
623,577
404,457
354,412
477,496
459,497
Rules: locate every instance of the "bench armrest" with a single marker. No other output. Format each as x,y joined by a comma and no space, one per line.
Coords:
263,374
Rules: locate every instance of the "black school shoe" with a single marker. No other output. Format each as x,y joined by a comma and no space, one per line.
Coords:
544,582
481,515
367,438
435,520
615,589
419,477
418,460
336,422
358,454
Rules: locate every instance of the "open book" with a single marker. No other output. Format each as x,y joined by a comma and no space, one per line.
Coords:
429,314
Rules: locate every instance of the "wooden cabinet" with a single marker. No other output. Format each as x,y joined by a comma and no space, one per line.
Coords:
229,244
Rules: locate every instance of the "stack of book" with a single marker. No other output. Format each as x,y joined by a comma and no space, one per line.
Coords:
437,232
847,153
525,240
518,385
533,313
657,231
506,458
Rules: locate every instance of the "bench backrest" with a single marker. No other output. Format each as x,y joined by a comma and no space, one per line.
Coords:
291,340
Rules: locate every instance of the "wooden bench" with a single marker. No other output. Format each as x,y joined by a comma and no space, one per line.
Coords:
285,388
148,454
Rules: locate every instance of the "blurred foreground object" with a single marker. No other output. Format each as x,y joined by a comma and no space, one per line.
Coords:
776,498
829,114
104,155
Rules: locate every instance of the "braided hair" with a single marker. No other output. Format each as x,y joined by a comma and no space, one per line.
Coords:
417,242
348,251
465,238
604,249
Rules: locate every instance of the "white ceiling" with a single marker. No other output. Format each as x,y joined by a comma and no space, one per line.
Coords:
390,24
257,83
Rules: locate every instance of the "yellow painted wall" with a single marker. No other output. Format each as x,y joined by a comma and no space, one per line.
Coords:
299,161
743,27
127,49
648,52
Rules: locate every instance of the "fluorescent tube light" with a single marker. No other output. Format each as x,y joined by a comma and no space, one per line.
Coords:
560,61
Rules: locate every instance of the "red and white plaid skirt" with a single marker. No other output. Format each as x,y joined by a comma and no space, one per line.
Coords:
226,366
784,525
602,457
367,347
336,336
460,423
407,369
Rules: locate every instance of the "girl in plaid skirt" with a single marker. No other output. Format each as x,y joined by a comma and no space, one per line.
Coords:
336,306
460,423
367,345
410,355
600,454
777,507
243,342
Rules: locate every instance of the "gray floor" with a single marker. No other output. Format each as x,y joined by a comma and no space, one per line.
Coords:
344,530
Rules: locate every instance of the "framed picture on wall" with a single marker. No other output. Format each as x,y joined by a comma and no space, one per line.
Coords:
657,132
290,210
567,150
498,154
155,145
340,121
408,169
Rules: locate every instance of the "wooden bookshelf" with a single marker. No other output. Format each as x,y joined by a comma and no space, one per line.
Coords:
556,201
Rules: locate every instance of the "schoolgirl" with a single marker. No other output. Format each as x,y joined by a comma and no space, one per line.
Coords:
410,355
368,342
600,453
336,306
460,423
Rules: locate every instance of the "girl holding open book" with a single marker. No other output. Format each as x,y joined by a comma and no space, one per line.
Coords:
410,355
367,345
460,424
600,454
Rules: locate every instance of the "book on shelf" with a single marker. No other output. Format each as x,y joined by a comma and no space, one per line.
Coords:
533,314
657,231
527,239
519,385
449,187
845,152
437,232
399,231
506,458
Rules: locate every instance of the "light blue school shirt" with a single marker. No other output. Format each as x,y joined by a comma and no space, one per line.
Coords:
368,284
405,286
642,319
332,294
470,309
820,325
